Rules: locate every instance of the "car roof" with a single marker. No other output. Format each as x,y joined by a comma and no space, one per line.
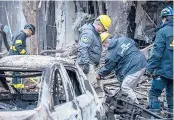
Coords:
33,62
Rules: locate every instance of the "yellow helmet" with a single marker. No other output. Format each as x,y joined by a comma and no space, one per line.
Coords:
104,36
105,20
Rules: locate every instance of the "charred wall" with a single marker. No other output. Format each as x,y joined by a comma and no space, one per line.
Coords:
57,22
51,25
15,20
30,10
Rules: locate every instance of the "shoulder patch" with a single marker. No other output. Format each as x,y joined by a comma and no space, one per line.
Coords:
85,39
124,47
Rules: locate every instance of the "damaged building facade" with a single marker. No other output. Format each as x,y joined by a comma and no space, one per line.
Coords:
60,20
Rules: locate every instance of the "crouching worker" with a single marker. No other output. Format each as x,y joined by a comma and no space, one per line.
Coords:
126,60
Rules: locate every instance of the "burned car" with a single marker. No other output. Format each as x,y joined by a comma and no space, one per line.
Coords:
54,89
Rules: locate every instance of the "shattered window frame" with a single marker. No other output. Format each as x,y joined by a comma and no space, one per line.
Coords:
74,70
57,69
85,86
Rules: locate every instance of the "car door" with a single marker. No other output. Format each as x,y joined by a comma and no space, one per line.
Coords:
64,107
85,98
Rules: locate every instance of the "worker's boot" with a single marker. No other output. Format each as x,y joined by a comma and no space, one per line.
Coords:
154,106
169,114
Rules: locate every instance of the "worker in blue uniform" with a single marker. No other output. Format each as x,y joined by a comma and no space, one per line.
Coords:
126,60
160,64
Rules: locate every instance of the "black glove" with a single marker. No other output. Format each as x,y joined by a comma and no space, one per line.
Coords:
148,74
86,68
96,65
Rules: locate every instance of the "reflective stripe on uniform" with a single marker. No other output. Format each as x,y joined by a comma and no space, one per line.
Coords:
18,85
13,48
18,42
22,51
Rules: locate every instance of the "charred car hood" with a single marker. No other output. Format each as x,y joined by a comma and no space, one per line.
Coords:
34,114
18,115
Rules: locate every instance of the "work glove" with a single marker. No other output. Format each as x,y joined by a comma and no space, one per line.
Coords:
96,65
86,68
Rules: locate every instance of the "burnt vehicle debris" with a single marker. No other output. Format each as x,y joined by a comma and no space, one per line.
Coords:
119,107
125,109
23,99
54,88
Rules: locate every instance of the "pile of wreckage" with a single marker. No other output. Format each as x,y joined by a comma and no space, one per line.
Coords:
117,106
111,87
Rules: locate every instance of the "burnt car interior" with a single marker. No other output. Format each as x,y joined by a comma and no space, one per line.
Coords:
58,91
12,98
74,80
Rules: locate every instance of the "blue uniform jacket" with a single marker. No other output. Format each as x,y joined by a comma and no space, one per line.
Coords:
123,57
161,60
89,46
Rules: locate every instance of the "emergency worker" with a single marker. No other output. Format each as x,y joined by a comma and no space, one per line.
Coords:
90,46
19,41
126,60
160,64
18,47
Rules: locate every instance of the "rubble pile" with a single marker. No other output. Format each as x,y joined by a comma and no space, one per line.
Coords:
112,85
